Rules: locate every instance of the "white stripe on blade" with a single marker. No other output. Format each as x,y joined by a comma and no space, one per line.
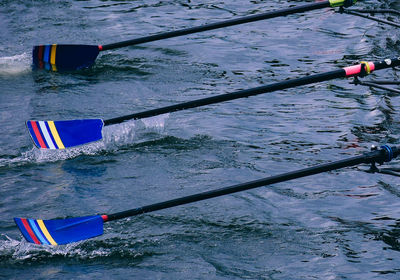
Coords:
46,135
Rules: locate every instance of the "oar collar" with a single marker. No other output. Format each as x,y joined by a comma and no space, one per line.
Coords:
389,153
342,3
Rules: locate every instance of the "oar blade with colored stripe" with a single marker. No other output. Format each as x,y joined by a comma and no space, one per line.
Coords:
64,57
60,231
64,134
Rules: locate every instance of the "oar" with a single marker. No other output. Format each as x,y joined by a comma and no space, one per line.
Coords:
72,57
360,13
63,231
69,133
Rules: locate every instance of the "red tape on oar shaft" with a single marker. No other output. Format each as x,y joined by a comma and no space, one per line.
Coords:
356,69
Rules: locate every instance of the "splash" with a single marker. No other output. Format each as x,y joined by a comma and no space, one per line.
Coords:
114,137
19,251
156,123
35,155
132,131
15,65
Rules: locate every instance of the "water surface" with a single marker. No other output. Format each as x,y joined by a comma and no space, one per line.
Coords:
335,225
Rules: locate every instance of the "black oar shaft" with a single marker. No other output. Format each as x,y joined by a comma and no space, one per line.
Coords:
374,11
231,96
186,31
372,18
370,157
340,73
376,85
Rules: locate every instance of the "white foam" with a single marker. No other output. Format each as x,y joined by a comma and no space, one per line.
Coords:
47,155
131,131
15,65
20,250
157,122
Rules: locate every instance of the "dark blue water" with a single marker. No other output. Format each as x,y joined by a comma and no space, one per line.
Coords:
335,225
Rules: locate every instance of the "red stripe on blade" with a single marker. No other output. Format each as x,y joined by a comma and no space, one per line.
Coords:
30,231
38,135
40,56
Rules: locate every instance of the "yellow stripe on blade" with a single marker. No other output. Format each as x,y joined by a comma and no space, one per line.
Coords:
53,57
56,137
46,232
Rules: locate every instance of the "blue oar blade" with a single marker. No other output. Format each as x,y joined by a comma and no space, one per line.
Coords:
62,231
64,134
64,57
